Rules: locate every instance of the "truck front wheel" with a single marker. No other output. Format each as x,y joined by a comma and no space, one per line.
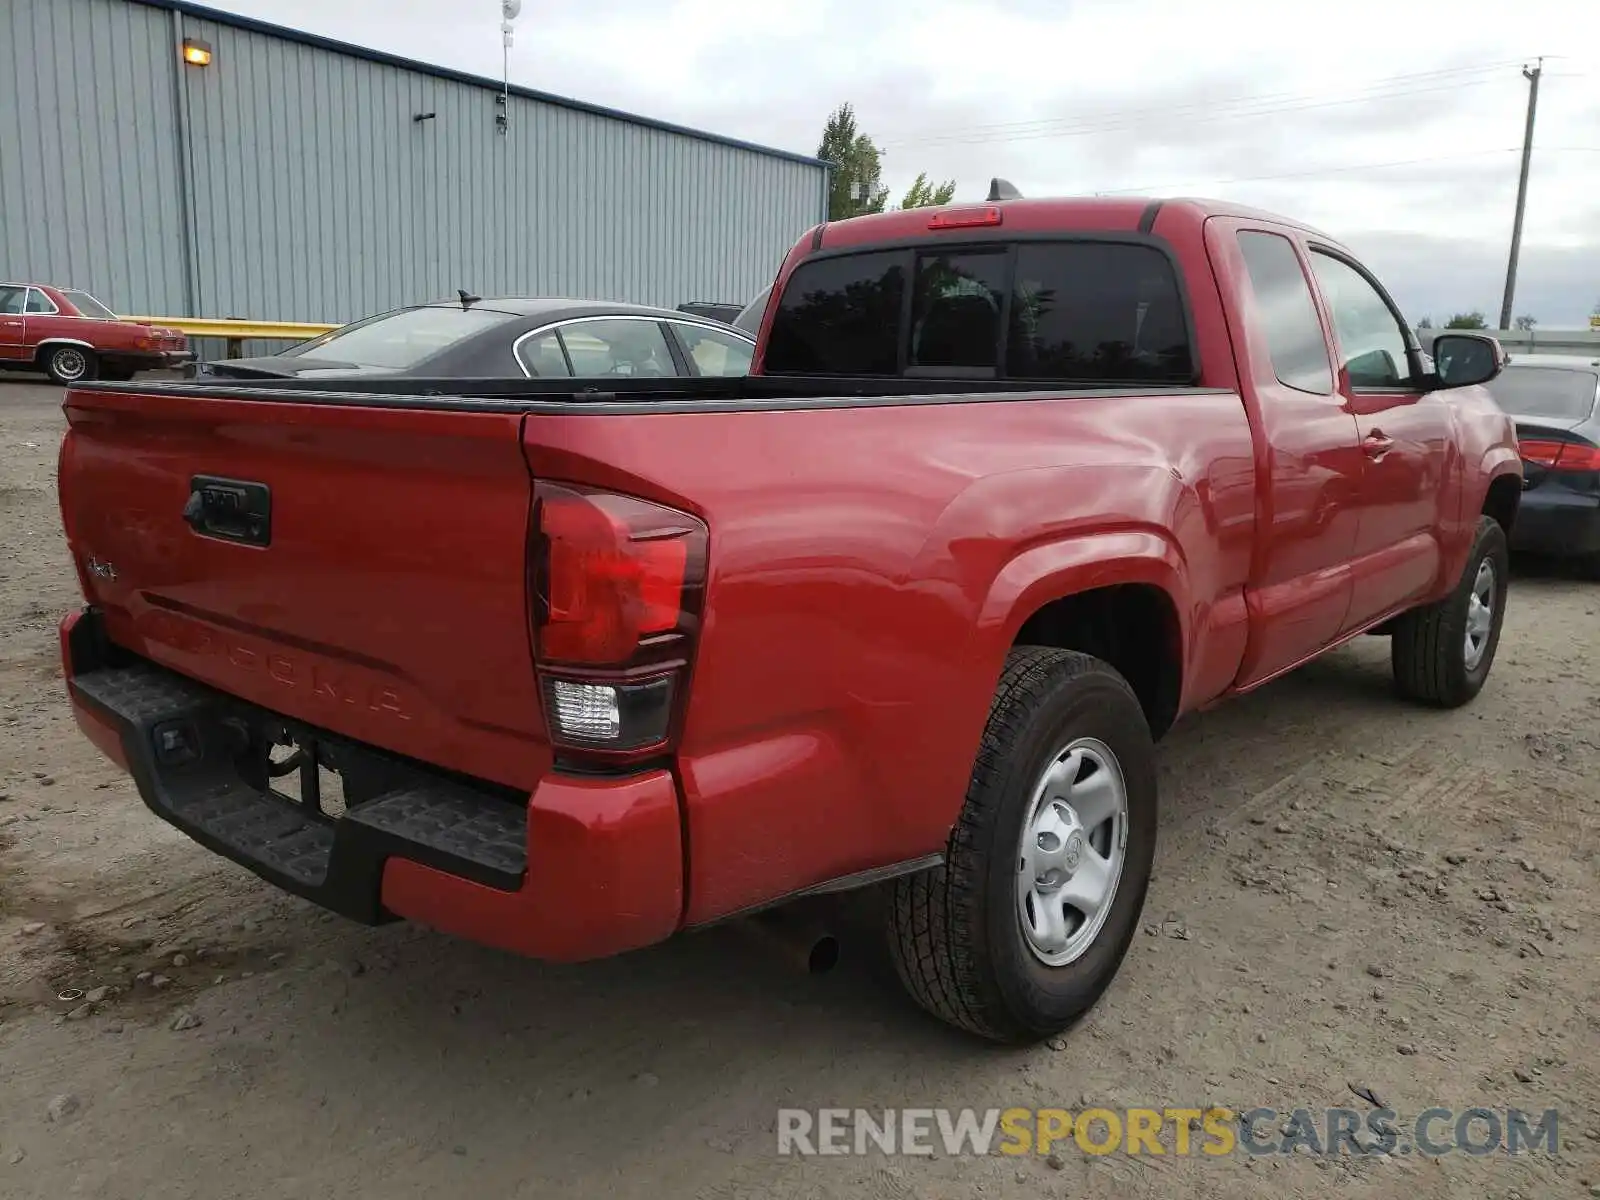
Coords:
1442,653
1025,925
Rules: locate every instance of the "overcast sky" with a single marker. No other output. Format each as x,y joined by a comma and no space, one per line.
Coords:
1393,126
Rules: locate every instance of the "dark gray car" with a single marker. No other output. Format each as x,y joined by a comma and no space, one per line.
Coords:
1554,400
510,338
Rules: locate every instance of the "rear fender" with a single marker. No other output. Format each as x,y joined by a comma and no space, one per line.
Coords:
1041,574
1498,462
50,342
1044,573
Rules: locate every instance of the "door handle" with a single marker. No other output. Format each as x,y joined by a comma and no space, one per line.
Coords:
1377,444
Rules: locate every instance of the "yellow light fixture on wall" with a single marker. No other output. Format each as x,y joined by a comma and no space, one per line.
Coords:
196,53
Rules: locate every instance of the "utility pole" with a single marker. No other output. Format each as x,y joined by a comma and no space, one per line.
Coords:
1532,76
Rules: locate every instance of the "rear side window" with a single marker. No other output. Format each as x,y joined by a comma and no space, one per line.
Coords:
88,306
628,346
543,356
1101,312
1287,313
713,352
840,316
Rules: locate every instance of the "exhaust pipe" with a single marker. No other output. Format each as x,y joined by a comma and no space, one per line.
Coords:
801,944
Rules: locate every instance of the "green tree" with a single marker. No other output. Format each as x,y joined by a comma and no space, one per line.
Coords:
1425,323
923,194
856,163
1526,323
1471,320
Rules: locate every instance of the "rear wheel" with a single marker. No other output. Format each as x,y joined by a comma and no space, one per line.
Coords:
69,364
1023,928
1442,653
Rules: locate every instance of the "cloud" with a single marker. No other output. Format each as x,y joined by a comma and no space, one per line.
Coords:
1437,277
1382,118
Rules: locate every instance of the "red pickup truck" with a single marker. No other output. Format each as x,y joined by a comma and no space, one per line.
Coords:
1011,489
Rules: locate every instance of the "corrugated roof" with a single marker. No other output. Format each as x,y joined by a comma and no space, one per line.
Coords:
205,13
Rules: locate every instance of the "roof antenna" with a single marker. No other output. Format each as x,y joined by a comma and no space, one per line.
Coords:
467,298
1003,189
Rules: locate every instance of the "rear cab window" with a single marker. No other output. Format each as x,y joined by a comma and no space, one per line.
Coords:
1098,311
840,316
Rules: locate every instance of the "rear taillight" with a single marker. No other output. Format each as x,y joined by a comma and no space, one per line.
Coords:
616,586
1561,456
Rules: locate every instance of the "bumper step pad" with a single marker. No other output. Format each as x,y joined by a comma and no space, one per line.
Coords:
185,744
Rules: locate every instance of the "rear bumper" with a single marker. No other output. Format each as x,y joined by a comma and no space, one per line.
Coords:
1554,520
584,868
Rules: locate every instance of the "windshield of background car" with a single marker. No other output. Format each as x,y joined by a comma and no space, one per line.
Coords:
1546,392
400,340
88,306
749,318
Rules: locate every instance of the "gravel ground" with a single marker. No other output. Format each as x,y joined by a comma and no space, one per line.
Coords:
1349,891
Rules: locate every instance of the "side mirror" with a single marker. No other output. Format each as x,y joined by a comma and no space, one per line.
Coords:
1466,359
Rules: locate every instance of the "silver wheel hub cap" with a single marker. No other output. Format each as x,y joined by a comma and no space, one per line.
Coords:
70,363
1070,858
1480,613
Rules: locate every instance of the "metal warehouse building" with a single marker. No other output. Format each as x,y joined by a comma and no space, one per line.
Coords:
297,179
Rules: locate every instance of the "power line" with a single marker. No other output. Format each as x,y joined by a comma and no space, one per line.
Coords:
1314,173
1396,87
1254,98
1203,117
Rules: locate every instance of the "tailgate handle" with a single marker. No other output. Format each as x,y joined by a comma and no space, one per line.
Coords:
231,510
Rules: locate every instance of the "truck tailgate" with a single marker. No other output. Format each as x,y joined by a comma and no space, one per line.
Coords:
358,569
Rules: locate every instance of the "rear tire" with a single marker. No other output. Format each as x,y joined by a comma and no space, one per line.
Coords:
69,364
1442,653
992,942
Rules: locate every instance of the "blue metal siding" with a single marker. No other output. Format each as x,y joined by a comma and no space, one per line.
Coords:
89,186
314,195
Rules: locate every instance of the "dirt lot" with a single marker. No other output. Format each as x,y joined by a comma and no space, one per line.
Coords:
1349,891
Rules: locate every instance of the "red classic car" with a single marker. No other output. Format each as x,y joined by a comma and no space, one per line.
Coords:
71,336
